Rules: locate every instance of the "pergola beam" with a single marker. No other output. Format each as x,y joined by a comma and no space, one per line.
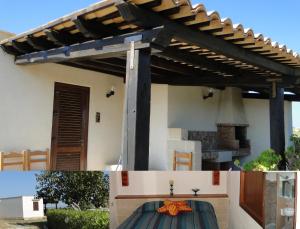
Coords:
147,19
22,47
93,67
178,74
172,73
11,50
40,43
87,29
60,38
94,29
103,48
291,98
200,61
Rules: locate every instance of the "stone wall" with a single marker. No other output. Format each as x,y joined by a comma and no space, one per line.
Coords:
270,202
208,139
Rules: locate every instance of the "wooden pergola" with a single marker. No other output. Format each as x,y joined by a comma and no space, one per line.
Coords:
165,42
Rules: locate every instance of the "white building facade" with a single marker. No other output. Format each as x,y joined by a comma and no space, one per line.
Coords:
27,96
21,207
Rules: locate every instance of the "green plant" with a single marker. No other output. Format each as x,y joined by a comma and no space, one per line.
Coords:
267,161
71,219
295,138
293,153
85,189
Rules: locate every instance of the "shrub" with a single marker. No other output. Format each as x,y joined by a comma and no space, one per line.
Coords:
267,161
293,153
72,219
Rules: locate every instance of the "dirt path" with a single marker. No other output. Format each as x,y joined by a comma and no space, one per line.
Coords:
23,224
3,224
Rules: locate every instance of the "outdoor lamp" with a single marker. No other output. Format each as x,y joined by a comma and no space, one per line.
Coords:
111,92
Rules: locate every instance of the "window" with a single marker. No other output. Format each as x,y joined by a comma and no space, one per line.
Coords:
252,195
35,206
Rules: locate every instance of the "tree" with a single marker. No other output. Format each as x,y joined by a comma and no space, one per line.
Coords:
85,189
48,187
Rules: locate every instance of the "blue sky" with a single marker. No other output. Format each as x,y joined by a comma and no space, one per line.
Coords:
17,184
14,184
276,19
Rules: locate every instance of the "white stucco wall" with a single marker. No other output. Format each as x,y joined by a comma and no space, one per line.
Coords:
20,207
26,109
28,208
11,208
257,112
151,183
188,109
238,218
159,128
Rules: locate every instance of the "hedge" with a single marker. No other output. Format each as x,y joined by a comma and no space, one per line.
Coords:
72,219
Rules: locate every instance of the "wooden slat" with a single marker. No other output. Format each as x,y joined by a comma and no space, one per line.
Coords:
33,157
70,127
140,17
177,160
176,10
68,162
15,159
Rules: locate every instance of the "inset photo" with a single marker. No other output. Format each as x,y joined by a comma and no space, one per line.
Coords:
206,200
54,200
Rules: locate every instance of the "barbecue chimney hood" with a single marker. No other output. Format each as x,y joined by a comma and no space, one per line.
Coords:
231,108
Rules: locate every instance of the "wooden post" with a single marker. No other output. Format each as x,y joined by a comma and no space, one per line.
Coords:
26,160
137,110
277,132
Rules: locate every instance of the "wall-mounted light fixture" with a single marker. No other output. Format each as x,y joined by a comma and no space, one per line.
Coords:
111,92
207,93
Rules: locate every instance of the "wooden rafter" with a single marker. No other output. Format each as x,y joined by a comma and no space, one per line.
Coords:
147,19
102,48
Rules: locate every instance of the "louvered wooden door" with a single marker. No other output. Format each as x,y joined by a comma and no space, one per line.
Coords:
252,194
70,127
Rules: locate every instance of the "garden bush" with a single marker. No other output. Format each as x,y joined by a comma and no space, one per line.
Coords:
72,219
266,161
293,153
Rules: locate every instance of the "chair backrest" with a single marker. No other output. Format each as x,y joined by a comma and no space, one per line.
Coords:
13,160
39,158
183,159
25,160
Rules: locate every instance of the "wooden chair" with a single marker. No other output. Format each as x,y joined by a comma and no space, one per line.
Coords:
183,159
37,156
11,159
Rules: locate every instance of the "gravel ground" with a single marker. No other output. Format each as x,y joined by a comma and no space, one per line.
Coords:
23,224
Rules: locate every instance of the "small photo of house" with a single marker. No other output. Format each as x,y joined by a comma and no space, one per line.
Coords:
206,200
54,200
21,208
